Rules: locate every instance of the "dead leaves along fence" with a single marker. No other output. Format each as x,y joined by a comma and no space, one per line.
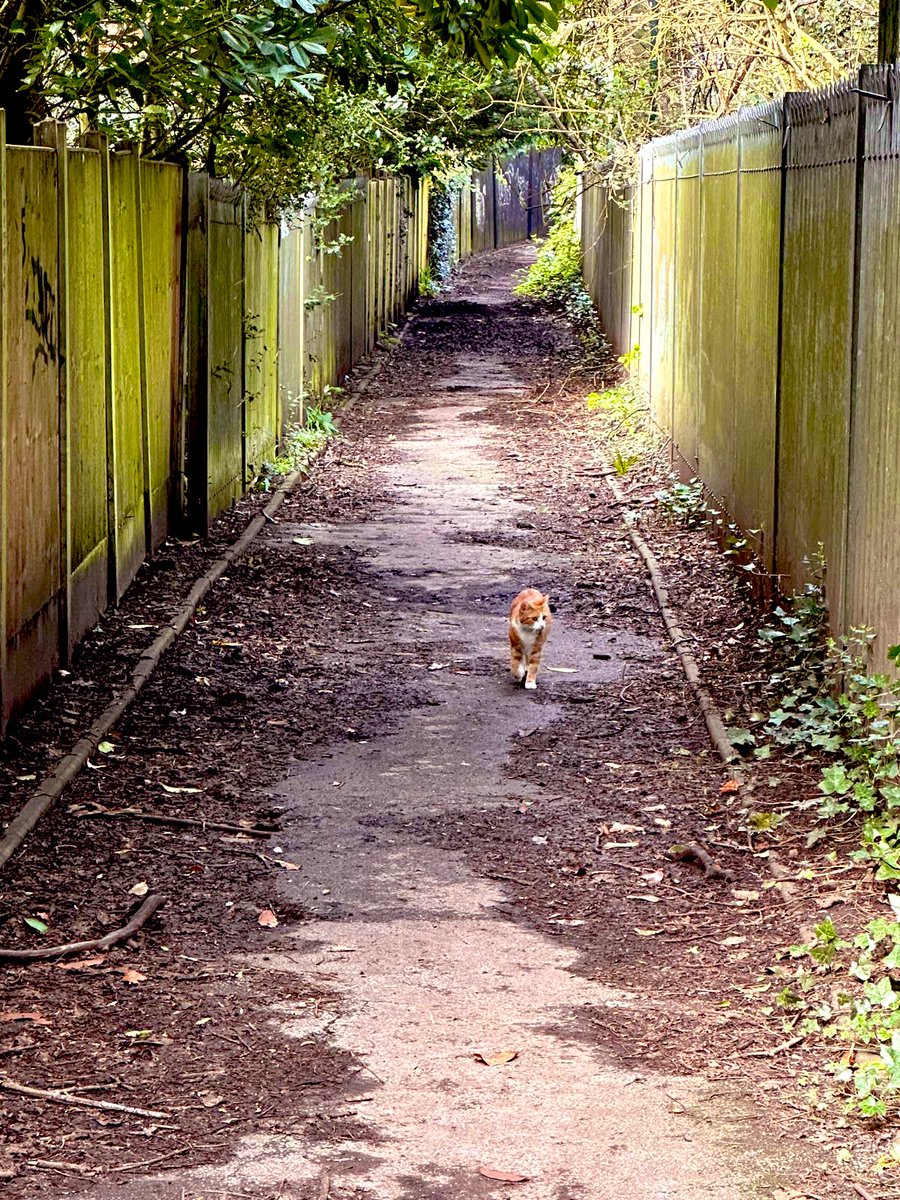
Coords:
155,344
756,266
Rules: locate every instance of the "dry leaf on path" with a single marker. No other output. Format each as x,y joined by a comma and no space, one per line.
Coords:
267,919
502,1176
139,889
730,785
619,827
288,866
131,975
36,1017
732,941
81,963
497,1059
648,932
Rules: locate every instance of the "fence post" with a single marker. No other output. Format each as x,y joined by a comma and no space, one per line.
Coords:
5,700
52,134
100,143
779,350
858,185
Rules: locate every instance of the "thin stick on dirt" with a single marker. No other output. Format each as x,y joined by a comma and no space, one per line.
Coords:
157,818
49,1164
861,1191
140,918
693,852
151,1162
324,1187
22,1089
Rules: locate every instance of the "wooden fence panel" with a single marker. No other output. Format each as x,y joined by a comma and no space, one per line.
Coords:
225,427
162,189
752,503
291,338
263,420
31,515
87,392
820,207
663,288
128,418
873,559
718,273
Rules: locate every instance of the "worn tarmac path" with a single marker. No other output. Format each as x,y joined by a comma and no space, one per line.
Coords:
430,969
429,965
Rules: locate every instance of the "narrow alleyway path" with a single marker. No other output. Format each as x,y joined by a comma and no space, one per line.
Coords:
430,968
462,868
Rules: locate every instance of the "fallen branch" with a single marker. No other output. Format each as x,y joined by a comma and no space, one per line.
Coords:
155,818
788,1045
140,918
693,852
861,1191
22,1089
48,1164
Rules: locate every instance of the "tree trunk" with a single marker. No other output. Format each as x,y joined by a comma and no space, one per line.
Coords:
888,30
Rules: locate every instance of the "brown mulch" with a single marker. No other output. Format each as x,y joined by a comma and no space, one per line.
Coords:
261,679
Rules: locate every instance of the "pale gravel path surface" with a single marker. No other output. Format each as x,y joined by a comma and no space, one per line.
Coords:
425,956
430,967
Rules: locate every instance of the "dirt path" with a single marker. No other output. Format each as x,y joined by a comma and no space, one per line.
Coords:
421,796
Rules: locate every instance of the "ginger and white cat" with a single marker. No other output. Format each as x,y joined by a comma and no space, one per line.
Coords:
529,624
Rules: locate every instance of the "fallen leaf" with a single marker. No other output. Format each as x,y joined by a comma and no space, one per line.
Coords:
497,1059
644,896
732,941
831,899
139,889
436,666
653,876
35,924
620,845
288,866
342,949
37,1018
302,541
81,964
267,919
618,827
210,1099
730,785
177,791
106,748
502,1176
131,975
742,894
562,670
648,932
25,778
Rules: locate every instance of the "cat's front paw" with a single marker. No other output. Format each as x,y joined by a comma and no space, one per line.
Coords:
530,685
519,674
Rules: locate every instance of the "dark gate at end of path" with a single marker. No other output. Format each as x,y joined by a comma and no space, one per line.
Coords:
756,265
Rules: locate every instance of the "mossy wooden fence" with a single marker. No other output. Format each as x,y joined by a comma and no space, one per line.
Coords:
154,344
756,264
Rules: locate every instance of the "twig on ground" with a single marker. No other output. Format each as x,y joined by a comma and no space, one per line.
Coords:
22,1089
861,1191
140,918
794,1041
155,818
693,852
324,1187
49,1164
152,1162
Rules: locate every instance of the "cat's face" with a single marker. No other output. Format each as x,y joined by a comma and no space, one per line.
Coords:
534,614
